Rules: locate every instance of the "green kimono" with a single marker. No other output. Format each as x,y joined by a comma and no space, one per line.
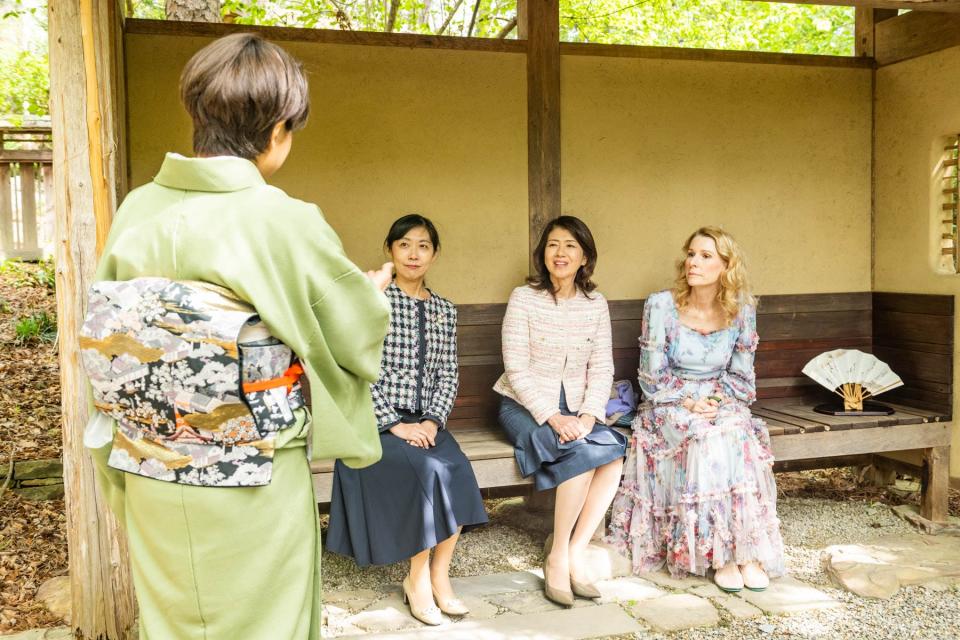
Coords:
244,562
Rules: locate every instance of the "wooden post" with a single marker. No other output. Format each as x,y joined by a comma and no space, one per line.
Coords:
6,212
28,209
82,37
542,26
935,483
865,20
522,31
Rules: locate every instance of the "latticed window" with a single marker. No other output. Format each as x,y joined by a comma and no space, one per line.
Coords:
950,200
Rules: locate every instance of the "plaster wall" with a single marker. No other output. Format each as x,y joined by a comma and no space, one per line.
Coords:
914,113
652,149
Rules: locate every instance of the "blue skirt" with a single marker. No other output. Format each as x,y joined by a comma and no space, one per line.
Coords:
539,452
411,500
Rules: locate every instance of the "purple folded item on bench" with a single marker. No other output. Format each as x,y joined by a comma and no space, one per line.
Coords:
623,400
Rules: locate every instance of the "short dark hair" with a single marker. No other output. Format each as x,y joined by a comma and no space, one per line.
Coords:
402,225
581,232
237,89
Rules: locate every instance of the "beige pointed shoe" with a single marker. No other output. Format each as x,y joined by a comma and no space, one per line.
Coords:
428,615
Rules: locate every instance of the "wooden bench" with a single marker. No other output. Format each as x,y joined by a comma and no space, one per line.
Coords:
912,333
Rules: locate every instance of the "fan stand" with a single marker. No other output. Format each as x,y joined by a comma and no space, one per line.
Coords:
853,403
836,408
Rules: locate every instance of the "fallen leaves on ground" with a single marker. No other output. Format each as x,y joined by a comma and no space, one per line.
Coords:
33,544
33,549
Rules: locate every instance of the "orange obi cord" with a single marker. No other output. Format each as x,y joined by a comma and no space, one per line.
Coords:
288,379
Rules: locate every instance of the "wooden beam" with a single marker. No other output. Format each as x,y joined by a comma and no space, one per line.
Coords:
519,46
326,36
911,5
543,114
710,55
865,19
81,36
915,34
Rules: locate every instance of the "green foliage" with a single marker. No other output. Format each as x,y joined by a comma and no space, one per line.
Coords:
24,85
149,9
24,275
24,69
46,275
5,305
707,24
413,16
711,24
39,327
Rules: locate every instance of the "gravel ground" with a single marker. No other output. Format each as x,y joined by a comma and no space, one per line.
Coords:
513,541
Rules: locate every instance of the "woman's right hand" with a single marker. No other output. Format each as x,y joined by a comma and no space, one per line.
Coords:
568,428
412,433
383,276
703,406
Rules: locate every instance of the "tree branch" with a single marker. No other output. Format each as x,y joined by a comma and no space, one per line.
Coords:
392,18
446,23
473,18
507,28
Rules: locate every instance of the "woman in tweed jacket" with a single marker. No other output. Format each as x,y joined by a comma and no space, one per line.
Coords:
558,371
423,491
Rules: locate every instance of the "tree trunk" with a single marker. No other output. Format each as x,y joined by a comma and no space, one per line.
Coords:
193,10
86,113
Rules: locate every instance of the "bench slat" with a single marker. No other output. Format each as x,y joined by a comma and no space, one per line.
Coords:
857,441
799,409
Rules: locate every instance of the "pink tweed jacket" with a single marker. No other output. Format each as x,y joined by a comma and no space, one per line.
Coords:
548,343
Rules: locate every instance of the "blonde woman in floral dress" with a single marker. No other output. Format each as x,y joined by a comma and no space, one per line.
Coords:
698,491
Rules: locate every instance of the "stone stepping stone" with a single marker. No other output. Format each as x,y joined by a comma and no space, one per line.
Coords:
788,595
532,602
512,582
566,624
352,601
664,579
388,614
54,633
879,569
676,612
736,607
628,589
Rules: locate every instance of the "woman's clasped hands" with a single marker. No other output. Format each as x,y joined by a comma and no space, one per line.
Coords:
707,406
419,434
570,428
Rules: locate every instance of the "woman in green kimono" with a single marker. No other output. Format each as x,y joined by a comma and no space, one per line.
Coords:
244,562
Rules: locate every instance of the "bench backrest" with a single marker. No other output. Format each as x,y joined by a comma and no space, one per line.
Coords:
912,333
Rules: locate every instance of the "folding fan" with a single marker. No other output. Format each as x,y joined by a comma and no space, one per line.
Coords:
853,375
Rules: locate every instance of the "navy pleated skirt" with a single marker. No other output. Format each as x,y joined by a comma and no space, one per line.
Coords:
411,500
539,452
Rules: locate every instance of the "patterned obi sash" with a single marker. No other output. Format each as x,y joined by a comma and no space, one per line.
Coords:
198,386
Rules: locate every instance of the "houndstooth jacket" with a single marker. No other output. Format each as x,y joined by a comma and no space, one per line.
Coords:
419,371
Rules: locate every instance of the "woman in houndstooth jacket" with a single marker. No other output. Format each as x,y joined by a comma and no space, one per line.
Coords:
423,492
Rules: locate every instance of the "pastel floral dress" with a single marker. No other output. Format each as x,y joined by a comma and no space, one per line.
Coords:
697,493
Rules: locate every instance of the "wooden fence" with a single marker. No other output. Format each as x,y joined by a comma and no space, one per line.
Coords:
26,193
